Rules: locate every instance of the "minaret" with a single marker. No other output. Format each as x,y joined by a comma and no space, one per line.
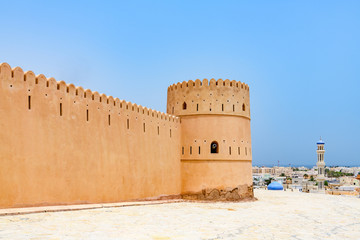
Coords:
320,164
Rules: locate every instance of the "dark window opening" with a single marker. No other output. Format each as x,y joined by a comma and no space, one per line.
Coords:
184,106
144,126
87,114
197,107
109,120
60,109
233,108
190,150
238,150
158,130
182,150
29,102
199,150
172,110
243,107
128,123
170,132
229,150
214,147
222,107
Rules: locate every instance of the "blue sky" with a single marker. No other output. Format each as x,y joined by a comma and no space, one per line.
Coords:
301,60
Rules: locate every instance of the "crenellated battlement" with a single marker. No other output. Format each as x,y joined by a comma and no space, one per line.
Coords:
209,97
17,79
206,83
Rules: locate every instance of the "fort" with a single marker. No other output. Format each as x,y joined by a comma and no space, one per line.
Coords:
61,144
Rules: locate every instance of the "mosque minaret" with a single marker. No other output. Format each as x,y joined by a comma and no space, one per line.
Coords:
320,164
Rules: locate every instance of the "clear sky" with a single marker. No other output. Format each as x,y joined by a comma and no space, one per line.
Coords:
301,60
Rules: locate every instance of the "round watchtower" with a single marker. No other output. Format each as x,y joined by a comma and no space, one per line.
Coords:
215,138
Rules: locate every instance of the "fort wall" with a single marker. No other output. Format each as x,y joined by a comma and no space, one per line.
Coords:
61,144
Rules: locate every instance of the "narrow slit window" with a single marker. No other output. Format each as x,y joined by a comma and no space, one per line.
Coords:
158,130
199,150
229,150
60,109
144,126
170,132
222,107
243,107
109,120
197,107
182,150
190,150
233,108
87,115
238,150
127,123
29,102
172,110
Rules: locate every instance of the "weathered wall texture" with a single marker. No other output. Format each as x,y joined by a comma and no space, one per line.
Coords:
60,144
215,111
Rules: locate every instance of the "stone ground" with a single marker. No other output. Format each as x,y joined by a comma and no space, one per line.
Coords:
276,215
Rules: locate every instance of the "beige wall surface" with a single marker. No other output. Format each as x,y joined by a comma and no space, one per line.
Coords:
230,167
64,145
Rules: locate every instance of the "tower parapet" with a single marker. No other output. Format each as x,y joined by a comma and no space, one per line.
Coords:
213,97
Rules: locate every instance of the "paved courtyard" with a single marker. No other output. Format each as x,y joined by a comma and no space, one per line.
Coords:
276,215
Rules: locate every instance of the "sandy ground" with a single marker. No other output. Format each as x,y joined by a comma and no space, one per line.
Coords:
276,215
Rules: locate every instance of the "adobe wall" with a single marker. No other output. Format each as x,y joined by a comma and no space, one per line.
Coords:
215,111
61,144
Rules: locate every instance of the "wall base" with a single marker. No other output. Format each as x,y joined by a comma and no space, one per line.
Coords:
240,193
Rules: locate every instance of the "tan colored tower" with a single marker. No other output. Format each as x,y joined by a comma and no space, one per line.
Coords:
215,138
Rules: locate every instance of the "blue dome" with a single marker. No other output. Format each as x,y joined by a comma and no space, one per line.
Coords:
275,186
320,142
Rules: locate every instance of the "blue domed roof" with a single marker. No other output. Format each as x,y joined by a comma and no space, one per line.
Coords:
320,141
275,186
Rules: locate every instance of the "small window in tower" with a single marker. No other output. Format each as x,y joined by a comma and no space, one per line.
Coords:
197,107
127,123
87,115
233,108
158,128
222,107
172,110
190,150
229,150
184,106
243,107
109,122
238,150
199,150
182,150
214,147
60,109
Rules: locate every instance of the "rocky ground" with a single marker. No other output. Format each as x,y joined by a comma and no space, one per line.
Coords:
276,215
